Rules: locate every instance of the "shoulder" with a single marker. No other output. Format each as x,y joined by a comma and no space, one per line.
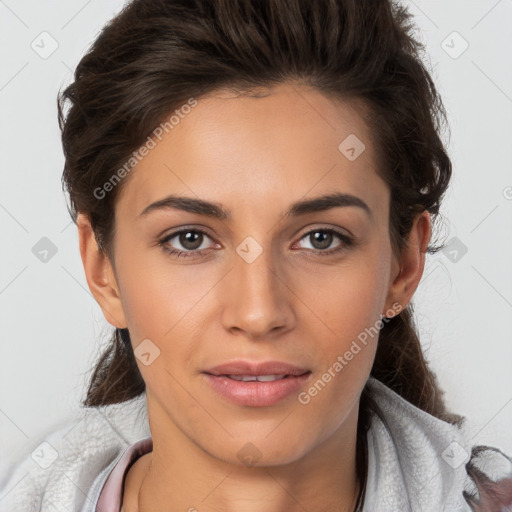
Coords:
430,461
56,470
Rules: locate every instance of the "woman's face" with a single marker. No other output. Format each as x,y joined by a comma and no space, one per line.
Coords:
266,282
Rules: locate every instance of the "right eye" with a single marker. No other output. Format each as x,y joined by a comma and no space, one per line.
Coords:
190,239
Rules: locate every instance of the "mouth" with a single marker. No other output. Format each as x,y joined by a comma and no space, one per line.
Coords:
261,369
256,384
258,378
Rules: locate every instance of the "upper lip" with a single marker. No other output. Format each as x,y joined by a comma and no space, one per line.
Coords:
256,368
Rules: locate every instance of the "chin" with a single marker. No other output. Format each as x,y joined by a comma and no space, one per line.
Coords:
259,453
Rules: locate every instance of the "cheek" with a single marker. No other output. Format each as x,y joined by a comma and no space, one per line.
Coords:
350,306
164,304
157,294
351,296
351,310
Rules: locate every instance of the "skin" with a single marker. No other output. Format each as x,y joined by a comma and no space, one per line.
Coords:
255,156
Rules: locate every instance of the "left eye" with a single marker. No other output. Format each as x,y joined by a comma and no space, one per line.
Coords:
322,238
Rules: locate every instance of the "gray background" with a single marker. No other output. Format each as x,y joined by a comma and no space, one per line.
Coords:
51,328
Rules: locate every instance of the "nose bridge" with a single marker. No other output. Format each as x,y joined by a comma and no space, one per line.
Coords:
255,269
257,301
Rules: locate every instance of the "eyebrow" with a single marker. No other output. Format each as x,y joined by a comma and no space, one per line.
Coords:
217,211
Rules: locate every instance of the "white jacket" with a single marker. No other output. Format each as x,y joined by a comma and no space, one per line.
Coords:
417,462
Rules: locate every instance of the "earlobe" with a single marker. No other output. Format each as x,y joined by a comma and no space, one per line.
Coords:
100,274
412,263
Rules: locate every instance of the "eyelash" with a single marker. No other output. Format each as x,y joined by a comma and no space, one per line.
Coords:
347,243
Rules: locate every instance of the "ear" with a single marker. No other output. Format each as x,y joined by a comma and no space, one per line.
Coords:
100,274
407,271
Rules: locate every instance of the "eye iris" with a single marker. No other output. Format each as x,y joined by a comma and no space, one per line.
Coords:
188,237
324,238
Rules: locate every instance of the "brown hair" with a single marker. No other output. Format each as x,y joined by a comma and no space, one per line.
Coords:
156,54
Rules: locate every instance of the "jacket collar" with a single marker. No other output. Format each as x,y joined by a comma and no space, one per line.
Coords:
416,462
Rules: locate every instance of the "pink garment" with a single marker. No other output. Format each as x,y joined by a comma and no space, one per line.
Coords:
111,495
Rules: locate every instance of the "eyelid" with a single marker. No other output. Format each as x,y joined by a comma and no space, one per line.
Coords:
185,229
179,229
327,227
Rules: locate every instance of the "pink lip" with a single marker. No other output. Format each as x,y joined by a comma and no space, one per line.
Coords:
254,393
255,368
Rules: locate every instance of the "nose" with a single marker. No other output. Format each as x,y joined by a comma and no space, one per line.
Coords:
258,300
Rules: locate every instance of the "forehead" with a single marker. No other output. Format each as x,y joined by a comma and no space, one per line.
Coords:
286,142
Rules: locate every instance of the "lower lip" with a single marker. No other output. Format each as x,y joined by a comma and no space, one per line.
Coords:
255,393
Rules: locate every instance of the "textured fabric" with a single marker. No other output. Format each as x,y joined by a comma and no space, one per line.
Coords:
111,493
85,446
417,463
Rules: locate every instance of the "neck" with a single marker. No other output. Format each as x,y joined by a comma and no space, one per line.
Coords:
179,476
249,490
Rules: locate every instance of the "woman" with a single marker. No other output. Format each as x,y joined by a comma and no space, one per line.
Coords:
254,186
